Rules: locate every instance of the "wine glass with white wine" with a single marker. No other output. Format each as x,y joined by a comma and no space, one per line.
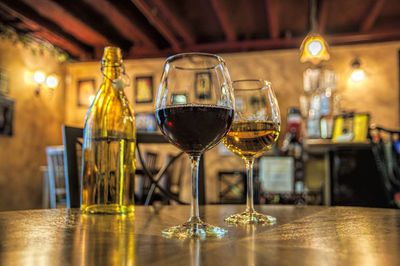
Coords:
255,129
194,110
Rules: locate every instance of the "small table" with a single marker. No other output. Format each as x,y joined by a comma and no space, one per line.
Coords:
327,147
303,235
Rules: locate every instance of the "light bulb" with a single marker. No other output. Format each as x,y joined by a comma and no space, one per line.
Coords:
39,77
357,75
51,81
314,47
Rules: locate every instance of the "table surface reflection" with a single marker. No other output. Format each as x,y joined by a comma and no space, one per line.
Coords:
303,235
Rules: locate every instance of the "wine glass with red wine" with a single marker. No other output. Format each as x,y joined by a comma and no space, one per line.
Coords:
194,110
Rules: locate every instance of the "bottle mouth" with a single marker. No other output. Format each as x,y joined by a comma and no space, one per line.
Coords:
112,56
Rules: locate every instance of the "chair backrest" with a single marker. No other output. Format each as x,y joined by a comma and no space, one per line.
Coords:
55,161
173,176
72,155
144,183
72,136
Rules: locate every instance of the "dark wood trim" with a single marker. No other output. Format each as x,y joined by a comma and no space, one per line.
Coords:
353,38
266,44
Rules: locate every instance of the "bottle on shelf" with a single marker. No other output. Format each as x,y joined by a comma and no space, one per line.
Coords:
293,147
329,104
108,162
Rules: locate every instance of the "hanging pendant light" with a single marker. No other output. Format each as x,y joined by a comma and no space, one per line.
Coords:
314,48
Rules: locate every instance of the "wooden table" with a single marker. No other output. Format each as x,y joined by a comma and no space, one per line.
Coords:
302,236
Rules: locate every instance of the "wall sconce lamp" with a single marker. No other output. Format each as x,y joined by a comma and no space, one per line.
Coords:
40,80
358,73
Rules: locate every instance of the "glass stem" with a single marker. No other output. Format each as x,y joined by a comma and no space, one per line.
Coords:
249,198
194,203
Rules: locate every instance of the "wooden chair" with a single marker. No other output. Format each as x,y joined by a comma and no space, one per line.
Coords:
174,176
56,179
72,137
170,178
232,187
144,183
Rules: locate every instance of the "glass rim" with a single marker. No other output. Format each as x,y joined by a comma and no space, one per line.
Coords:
175,57
262,83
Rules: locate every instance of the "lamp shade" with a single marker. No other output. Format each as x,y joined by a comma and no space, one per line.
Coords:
314,49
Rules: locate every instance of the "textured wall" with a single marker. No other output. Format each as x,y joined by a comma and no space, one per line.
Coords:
376,94
37,124
37,120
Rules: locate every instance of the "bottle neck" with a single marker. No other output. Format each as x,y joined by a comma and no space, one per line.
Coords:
110,73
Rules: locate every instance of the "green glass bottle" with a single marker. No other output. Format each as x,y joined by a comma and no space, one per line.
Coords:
108,162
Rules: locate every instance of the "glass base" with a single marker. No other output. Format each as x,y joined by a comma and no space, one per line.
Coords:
250,218
108,209
194,229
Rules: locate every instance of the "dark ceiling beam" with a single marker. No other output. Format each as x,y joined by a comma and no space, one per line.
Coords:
175,22
266,44
85,14
56,13
371,16
356,37
156,22
272,17
121,23
322,16
47,29
223,19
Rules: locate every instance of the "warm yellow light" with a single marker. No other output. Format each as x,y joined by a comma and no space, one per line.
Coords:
51,81
39,77
91,98
314,49
357,75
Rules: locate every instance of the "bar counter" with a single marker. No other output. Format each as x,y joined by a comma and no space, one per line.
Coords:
303,235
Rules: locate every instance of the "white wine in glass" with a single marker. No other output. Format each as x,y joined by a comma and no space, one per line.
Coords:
254,130
194,110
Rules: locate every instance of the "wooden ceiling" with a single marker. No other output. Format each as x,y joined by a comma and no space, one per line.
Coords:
158,28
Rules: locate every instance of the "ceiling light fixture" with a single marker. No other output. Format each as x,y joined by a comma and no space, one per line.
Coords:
314,48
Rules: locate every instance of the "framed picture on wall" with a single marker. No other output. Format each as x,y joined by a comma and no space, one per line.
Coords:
202,84
6,116
178,98
144,89
86,91
4,82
